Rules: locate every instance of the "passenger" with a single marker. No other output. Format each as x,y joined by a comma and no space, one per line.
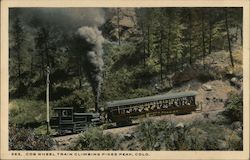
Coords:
176,104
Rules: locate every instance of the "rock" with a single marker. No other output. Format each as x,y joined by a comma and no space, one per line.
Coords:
157,146
207,98
214,99
128,136
179,125
157,87
236,125
234,80
180,77
206,87
205,115
231,72
222,145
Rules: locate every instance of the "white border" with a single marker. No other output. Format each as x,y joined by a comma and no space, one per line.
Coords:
5,4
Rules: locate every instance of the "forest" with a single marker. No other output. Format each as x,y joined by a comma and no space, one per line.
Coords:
139,52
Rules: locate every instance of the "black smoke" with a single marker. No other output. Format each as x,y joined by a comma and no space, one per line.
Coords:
93,58
83,22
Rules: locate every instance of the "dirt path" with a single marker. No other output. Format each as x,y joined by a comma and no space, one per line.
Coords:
63,141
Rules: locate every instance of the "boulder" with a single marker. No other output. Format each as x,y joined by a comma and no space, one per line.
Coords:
222,145
180,125
128,136
214,99
187,74
234,79
157,146
206,87
235,82
236,125
205,115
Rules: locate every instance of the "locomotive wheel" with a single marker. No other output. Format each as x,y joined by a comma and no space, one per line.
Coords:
125,122
183,112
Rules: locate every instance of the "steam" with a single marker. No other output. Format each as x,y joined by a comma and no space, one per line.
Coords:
93,58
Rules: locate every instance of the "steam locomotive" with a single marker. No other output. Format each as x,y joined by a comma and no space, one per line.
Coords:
122,112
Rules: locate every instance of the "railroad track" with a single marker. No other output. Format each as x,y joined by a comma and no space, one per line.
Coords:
69,136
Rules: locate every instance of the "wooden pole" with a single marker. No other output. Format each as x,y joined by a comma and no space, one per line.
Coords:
47,100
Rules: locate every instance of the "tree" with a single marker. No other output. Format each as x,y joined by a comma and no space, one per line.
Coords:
173,40
203,37
46,43
228,36
76,57
210,24
118,12
190,28
159,37
141,19
18,38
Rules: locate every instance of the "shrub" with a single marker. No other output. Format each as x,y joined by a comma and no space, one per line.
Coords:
42,130
166,133
199,135
23,112
77,99
26,139
94,139
147,134
235,142
135,93
234,107
195,139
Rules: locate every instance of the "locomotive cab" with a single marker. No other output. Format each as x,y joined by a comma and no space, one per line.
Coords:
61,115
67,119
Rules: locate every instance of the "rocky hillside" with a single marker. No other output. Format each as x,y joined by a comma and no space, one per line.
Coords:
212,95
125,26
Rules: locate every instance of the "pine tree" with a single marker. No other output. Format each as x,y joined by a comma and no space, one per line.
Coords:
18,40
228,36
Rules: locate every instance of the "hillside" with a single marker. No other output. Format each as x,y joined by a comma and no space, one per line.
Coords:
212,95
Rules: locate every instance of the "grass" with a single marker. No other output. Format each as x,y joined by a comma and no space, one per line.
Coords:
24,112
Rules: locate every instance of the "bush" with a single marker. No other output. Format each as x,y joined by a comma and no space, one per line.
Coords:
26,139
135,93
168,134
147,134
77,99
235,142
23,112
94,139
234,107
42,130
195,139
199,135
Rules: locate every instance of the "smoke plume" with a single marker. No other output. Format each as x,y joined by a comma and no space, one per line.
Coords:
66,19
93,58
69,20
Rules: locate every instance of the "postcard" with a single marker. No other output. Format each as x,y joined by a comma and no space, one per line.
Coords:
124,79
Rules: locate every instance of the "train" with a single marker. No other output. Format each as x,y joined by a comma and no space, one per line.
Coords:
122,112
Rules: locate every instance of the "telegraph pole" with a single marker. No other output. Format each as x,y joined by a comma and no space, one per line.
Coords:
47,99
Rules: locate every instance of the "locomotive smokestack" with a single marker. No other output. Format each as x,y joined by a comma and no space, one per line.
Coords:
93,61
96,104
